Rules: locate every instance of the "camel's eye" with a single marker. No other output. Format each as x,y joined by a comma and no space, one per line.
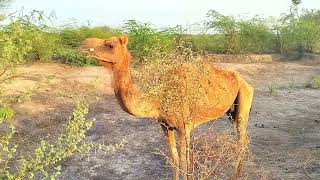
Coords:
109,45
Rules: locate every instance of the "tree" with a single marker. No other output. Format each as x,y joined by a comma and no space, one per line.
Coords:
226,26
3,4
296,2
309,24
241,35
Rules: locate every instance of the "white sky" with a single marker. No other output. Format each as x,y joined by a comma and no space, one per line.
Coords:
159,12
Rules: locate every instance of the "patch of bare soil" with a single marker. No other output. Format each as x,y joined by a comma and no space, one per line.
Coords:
284,128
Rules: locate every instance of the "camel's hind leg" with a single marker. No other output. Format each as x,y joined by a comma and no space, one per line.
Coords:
169,132
244,101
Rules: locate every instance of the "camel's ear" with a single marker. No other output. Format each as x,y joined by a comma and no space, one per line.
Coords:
123,39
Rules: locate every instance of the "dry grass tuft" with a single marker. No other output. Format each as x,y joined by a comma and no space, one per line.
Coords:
214,155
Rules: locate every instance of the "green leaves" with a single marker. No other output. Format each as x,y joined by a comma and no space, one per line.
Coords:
296,2
4,3
48,154
314,83
147,43
300,33
239,35
294,32
6,114
72,37
14,44
75,58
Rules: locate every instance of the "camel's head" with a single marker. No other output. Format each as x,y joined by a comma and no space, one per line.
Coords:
110,52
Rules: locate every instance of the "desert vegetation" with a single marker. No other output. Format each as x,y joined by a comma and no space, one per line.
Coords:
31,38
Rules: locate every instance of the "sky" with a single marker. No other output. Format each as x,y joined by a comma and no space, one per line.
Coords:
161,13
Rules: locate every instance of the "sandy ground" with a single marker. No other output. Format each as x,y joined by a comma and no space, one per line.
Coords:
284,128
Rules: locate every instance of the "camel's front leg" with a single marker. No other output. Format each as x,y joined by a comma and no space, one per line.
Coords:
169,132
185,161
242,119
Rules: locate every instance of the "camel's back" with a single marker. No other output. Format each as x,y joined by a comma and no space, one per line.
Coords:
199,92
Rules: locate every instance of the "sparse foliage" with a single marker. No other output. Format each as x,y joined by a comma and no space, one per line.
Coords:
3,4
296,2
71,37
6,114
273,89
47,156
74,58
314,83
148,43
240,36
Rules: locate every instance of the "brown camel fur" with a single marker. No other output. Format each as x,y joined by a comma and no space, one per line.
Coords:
223,90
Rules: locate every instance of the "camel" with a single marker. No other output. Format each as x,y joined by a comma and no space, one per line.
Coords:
225,92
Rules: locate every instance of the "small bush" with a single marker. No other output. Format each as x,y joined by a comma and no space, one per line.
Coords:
14,46
234,35
214,155
75,58
24,97
273,89
6,114
71,37
45,159
314,83
25,38
44,45
147,43
102,32
209,43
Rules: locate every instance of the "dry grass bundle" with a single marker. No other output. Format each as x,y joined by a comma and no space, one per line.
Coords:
214,154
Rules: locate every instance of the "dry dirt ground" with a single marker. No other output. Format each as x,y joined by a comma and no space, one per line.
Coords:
284,127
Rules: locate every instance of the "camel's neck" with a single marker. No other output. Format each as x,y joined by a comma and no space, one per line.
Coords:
130,98
123,88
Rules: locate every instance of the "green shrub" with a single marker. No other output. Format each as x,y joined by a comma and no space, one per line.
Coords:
209,43
72,37
28,38
273,89
6,114
44,45
256,36
314,83
24,96
299,31
25,39
234,35
102,32
227,26
14,46
147,43
48,154
75,58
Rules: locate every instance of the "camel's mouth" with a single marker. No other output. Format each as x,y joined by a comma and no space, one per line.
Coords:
103,61
90,53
